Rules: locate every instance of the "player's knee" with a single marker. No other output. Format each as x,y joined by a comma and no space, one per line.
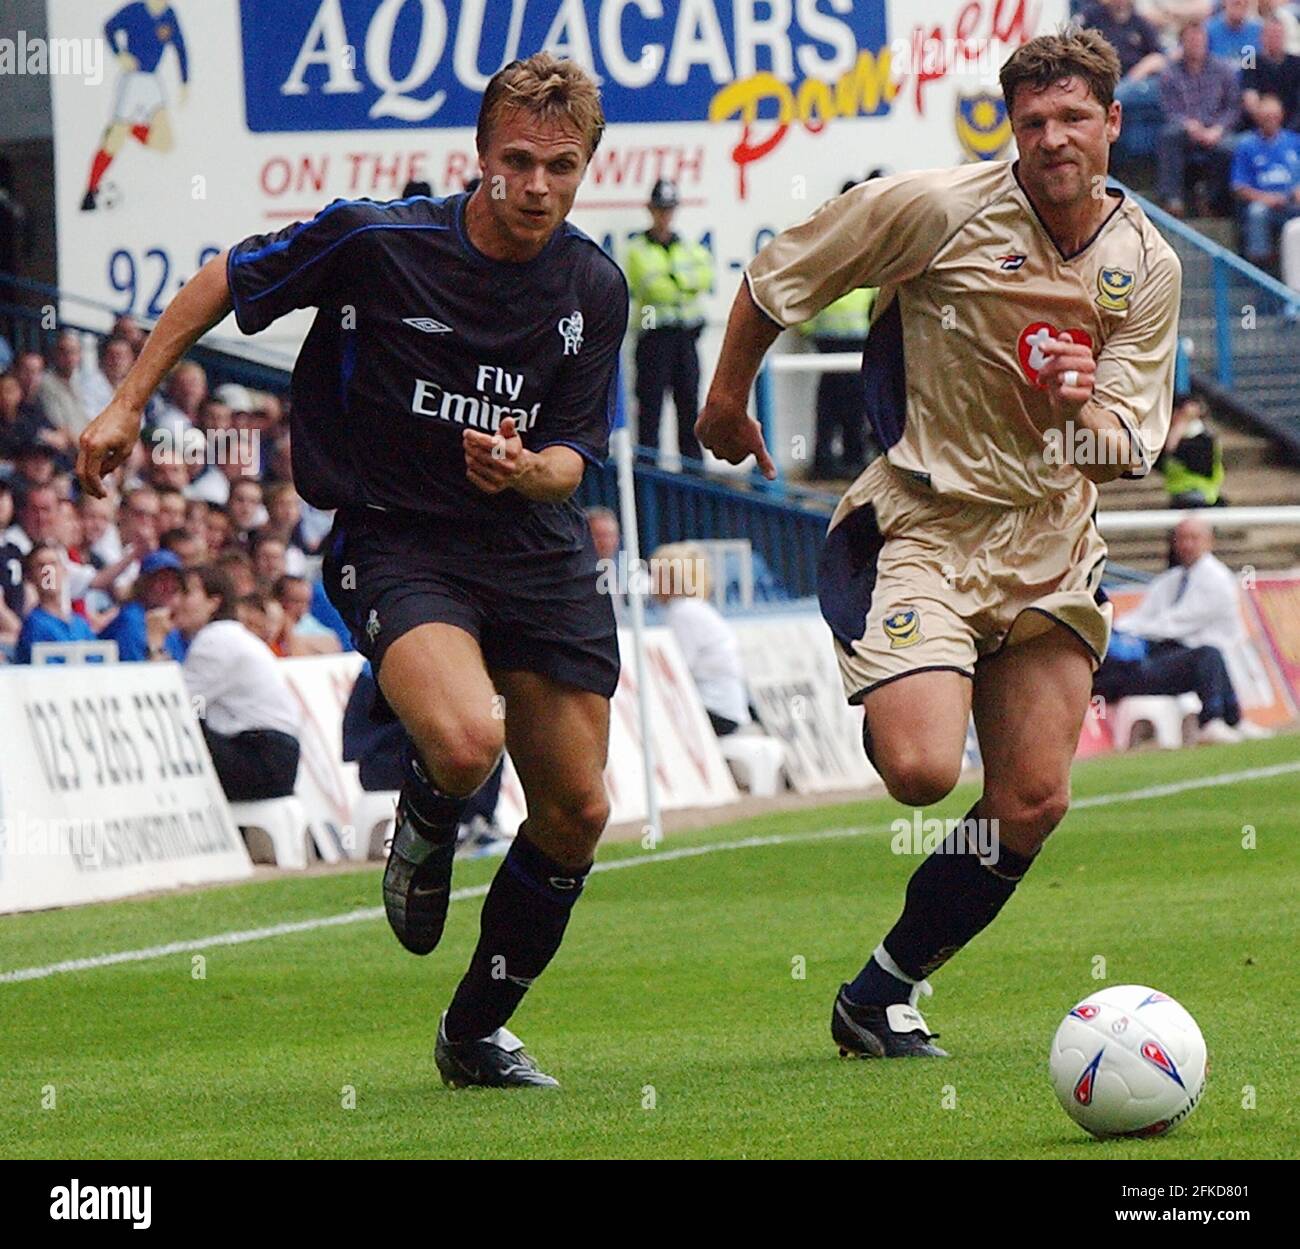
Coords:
1034,805
461,757
576,825
917,779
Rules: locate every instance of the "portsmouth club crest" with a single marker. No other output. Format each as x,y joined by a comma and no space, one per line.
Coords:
983,125
903,628
1114,288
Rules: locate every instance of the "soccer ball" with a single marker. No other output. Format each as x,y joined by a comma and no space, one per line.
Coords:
1128,1061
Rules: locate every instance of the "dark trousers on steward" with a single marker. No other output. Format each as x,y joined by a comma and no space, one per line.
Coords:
668,360
840,410
1171,668
256,765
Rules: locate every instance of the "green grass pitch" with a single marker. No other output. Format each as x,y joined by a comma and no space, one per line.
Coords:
675,1017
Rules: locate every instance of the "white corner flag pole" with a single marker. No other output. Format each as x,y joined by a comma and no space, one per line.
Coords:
637,583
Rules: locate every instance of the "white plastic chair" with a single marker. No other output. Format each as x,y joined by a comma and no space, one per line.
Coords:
284,821
1164,713
755,761
372,818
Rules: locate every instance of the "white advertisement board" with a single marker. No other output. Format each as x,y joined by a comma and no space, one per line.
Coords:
211,120
106,788
795,687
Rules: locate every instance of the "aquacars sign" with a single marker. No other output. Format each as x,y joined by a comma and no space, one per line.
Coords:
362,64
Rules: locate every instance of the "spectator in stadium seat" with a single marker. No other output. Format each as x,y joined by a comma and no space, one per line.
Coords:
245,508
328,615
35,464
1142,60
284,519
1284,13
267,552
127,328
211,484
50,620
103,542
137,525
21,421
167,469
156,588
171,509
607,537
1188,620
249,716
236,564
186,389
13,603
1275,72
116,356
60,393
1202,104
217,528
190,548
1233,34
303,634
1170,16
263,617
1266,179
29,368
38,519
681,582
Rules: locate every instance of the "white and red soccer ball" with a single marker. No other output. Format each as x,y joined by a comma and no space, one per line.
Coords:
1128,1061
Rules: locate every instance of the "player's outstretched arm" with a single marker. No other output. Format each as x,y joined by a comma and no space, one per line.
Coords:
725,426
107,441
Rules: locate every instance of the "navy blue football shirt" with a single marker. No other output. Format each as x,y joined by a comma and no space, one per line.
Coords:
420,336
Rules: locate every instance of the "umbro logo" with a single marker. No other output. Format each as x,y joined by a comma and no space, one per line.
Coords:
1012,261
427,325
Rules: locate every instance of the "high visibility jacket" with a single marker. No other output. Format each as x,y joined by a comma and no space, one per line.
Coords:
1196,464
849,317
668,278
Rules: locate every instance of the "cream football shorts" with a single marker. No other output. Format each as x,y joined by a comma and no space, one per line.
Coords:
914,581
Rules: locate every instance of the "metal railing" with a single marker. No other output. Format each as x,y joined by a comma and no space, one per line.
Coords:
784,525
1245,326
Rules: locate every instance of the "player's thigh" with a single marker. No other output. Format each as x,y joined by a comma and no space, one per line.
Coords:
434,678
1029,704
558,738
917,727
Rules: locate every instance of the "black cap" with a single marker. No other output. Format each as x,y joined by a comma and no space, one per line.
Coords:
664,194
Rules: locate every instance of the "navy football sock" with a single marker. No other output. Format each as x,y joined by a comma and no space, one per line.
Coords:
523,922
436,815
952,897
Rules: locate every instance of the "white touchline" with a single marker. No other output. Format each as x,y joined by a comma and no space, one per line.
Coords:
364,914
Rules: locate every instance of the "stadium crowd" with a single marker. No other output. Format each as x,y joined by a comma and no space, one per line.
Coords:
210,484
1212,92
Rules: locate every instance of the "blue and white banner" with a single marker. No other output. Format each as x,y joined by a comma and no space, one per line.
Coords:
214,119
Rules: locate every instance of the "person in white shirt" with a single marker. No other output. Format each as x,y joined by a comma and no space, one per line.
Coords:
681,583
1191,609
248,713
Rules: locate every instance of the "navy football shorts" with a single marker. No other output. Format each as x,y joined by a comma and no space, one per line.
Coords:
526,592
